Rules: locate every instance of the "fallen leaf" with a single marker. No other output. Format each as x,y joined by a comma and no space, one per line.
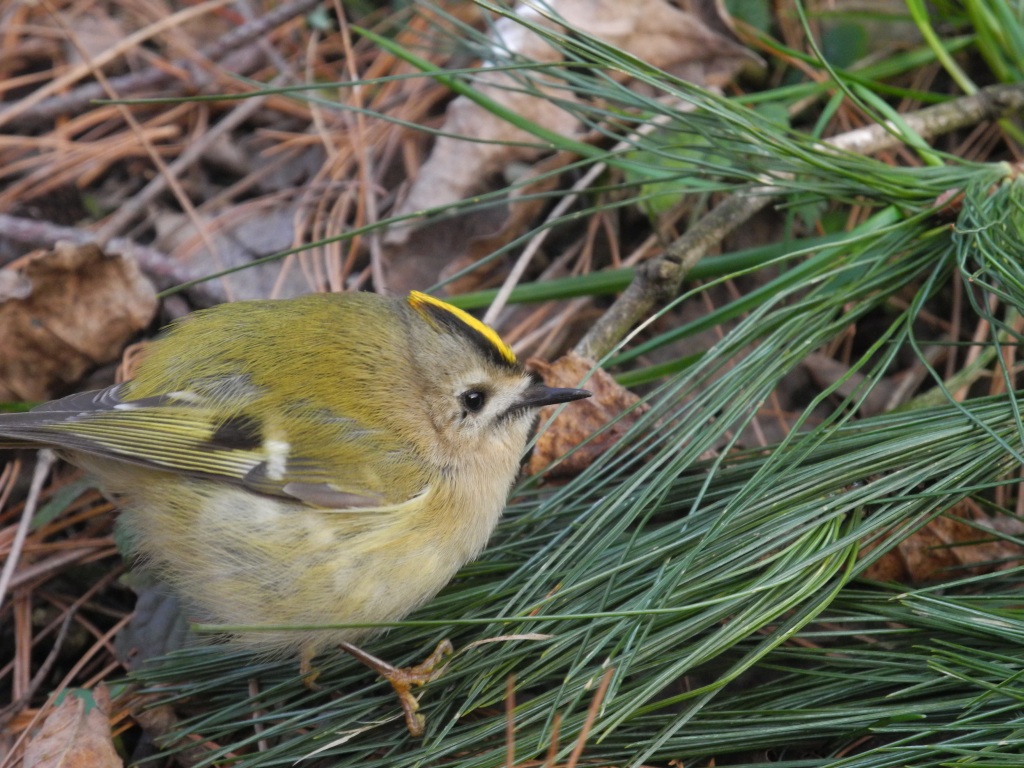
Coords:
76,734
951,546
64,312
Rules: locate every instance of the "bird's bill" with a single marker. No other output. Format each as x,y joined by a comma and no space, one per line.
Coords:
538,395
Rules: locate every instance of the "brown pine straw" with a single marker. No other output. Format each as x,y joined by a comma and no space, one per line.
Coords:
581,740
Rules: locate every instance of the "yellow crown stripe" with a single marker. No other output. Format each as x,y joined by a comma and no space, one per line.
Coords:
422,302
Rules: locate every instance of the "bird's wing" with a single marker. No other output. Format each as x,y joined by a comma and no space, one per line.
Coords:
183,432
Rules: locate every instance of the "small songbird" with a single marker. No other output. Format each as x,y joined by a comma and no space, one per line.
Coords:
328,459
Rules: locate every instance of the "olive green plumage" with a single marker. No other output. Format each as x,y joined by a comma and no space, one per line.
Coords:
328,459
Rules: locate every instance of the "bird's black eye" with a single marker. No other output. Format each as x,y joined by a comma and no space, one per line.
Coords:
473,400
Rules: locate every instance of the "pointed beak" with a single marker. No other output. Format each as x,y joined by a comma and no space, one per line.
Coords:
538,395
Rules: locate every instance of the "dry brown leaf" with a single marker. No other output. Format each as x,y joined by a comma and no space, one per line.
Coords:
583,418
64,312
75,735
950,548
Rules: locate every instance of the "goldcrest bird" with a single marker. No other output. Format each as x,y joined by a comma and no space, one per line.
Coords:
329,459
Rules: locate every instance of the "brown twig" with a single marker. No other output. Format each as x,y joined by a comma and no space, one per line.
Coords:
659,280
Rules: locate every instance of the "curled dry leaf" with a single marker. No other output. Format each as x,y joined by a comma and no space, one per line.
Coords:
585,417
949,547
76,734
64,312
